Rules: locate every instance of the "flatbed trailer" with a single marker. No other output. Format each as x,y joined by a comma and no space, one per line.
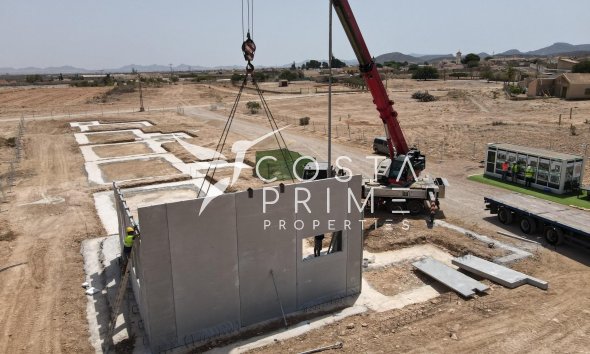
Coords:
556,222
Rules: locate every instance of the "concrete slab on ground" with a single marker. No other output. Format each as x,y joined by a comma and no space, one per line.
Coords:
497,273
450,277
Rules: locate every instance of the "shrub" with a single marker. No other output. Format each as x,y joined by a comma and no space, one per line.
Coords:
423,96
515,89
425,73
253,107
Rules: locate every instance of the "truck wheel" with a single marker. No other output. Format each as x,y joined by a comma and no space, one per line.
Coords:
505,216
415,207
528,225
554,235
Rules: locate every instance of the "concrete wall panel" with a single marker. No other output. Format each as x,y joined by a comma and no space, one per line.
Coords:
205,267
262,250
209,274
317,282
354,241
156,275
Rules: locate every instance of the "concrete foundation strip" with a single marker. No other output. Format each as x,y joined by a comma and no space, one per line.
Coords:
497,273
507,234
450,277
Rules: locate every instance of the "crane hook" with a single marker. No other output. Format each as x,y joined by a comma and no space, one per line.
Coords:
248,48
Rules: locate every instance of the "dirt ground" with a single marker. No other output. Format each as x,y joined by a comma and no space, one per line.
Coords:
109,138
42,306
132,169
395,280
122,150
524,319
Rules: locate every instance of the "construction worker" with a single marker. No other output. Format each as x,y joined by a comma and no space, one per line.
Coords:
505,165
317,245
514,171
529,173
127,246
433,208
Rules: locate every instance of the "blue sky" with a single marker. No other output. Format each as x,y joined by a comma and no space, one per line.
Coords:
111,33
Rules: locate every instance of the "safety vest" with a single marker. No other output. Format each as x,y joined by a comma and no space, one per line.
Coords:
529,172
128,240
515,168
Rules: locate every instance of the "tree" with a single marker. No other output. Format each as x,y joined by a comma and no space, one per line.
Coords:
313,64
259,76
486,73
425,73
253,107
510,72
293,67
413,67
337,63
471,60
582,67
61,77
237,78
288,75
324,65
393,64
108,80
174,78
33,78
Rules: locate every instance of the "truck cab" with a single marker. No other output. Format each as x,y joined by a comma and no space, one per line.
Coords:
380,145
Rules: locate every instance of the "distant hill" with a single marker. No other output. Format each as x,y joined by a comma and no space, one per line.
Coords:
511,52
396,56
124,69
559,48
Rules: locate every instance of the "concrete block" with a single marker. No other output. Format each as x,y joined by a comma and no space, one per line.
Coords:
497,273
450,277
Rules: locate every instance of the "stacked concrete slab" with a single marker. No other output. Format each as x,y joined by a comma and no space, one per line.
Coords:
450,277
200,276
497,273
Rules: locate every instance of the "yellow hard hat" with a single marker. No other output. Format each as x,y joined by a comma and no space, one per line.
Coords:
129,229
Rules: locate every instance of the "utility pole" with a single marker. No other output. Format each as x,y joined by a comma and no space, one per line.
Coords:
329,172
141,109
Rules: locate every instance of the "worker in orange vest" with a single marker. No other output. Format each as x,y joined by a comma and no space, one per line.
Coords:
504,170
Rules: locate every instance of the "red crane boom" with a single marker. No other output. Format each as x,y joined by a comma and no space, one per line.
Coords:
395,137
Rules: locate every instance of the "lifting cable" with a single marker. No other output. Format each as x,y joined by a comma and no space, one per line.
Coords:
248,49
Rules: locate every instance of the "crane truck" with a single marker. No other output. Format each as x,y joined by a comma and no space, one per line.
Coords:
397,184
